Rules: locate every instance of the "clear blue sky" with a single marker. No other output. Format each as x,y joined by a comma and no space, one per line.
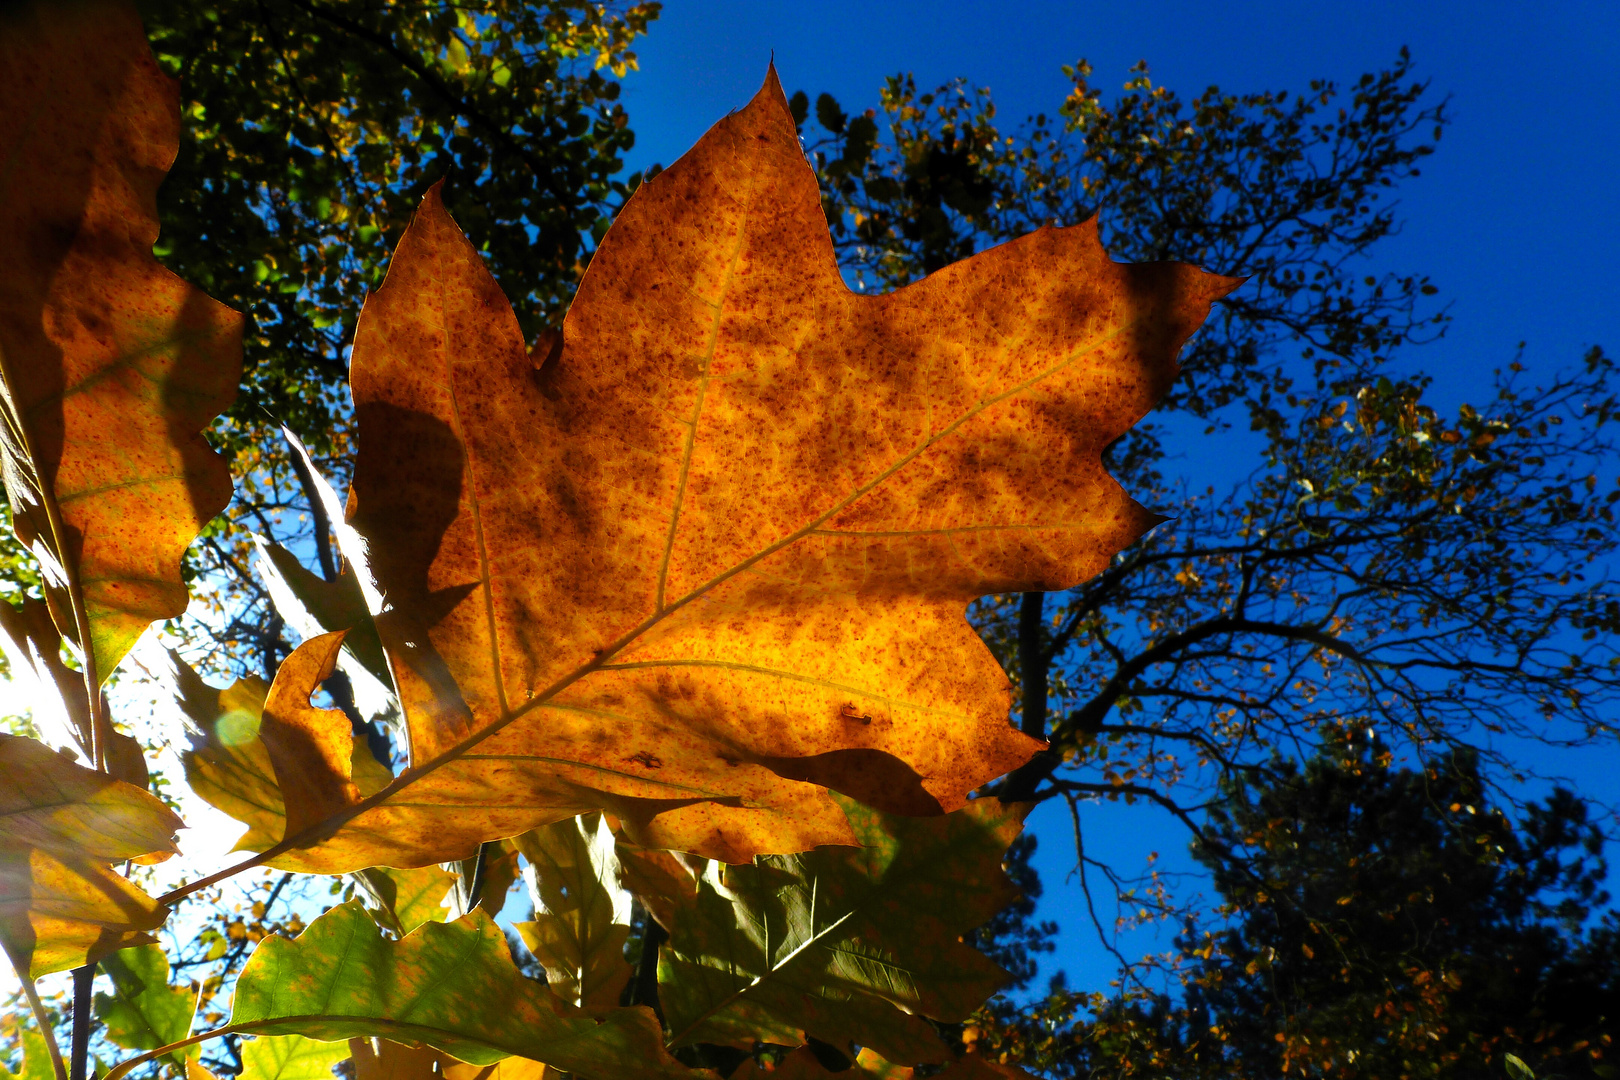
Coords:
1517,217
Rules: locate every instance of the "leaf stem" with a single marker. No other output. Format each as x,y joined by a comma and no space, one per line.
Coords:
123,1067
43,1019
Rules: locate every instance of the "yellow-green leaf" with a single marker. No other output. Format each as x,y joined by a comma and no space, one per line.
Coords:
844,944
62,826
379,1059
36,1060
311,750
59,698
662,880
144,1012
581,915
228,764
313,606
33,651
111,365
402,900
451,986
290,1057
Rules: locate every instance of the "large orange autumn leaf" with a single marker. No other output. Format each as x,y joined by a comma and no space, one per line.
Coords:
708,554
110,366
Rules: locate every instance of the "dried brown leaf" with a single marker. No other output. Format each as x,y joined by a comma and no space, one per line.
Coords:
111,365
710,555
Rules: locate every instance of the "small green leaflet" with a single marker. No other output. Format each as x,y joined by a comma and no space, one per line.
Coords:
844,943
144,1012
1516,1067
581,916
290,1057
36,1062
452,986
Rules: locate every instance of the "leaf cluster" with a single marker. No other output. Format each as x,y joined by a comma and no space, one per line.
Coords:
312,126
599,703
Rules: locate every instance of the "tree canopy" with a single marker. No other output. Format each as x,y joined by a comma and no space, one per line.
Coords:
1438,581
1381,921
1320,669
312,127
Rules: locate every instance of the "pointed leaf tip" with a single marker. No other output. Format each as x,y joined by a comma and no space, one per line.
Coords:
311,749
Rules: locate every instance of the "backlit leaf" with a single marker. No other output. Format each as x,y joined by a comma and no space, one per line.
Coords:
842,943
56,694
382,1059
228,764
707,552
451,986
379,1059
290,1057
402,900
314,606
311,750
662,880
62,826
512,1068
36,1060
501,869
581,916
112,366
144,1012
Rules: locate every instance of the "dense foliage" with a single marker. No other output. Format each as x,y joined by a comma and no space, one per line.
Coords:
312,127
662,609
1380,921
1387,582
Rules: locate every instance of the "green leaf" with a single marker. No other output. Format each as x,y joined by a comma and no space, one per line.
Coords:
144,1012
844,943
582,917
829,115
290,1057
227,766
1516,1068
402,900
36,1062
452,986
